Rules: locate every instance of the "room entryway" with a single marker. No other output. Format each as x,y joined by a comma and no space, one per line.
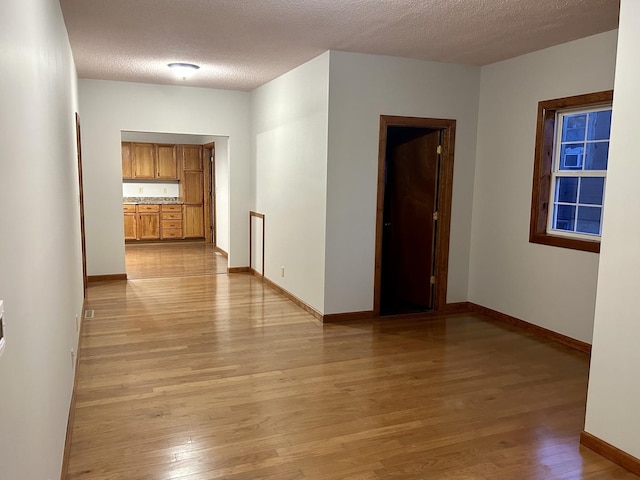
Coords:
414,204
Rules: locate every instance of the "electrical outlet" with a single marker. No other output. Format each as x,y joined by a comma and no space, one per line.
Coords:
282,271
164,190
140,190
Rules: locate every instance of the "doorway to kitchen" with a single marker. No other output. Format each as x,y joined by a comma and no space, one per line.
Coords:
415,176
174,224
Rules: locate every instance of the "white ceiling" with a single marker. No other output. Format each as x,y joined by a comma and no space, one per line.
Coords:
242,44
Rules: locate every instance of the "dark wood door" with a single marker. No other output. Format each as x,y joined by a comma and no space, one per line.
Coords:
409,225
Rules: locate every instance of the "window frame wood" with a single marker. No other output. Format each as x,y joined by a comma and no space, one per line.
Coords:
543,166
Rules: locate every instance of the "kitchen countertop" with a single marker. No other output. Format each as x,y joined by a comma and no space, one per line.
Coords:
151,201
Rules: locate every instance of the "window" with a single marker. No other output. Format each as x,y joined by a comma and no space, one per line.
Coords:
571,156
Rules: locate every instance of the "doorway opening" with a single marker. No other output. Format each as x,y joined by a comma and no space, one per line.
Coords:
175,203
415,176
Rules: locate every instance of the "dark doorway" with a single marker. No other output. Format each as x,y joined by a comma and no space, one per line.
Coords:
414,205
409,226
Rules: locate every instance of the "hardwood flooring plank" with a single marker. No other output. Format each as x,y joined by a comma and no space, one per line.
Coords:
187,374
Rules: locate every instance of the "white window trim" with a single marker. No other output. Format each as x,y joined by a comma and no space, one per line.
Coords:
556,172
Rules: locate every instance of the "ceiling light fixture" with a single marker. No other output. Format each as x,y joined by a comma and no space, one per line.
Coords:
183,70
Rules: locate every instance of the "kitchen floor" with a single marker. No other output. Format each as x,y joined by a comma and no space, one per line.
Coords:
160,260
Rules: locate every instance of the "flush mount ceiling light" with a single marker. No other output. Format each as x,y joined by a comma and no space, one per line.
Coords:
183,70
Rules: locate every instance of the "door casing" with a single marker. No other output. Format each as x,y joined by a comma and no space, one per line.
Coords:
444,195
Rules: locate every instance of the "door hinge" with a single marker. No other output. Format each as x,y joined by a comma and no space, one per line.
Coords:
435,215
433,280
439,150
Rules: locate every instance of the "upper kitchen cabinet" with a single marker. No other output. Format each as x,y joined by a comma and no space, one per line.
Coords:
191,157
149,161
127,166
167,162
144,160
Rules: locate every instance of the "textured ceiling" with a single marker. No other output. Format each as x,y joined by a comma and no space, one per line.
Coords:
242,44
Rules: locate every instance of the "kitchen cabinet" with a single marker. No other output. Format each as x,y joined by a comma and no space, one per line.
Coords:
193,221
130,222
149,161
155,222
167,162
148,222
191,157
193,187
144,160
127,166
171,221
192,191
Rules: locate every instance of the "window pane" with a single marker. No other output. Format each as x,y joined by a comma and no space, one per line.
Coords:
564,217
597,156
591,189
599,125
573,127
571,156
589,220
566,189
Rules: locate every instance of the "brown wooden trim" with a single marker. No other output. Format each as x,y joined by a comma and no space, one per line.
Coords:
531,328
253,214
617,456
445,194
72,406
457,307
221,251
305,306
207,195
543,165
238,270
107,278
83,239
348,316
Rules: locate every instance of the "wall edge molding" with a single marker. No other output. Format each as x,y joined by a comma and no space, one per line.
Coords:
608,451
107,278
287,294
531,328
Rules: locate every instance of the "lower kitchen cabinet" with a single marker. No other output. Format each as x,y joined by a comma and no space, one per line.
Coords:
158,222
148,222
130,222
171,221
193,221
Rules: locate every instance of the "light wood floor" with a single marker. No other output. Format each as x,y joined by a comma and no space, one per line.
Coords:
218,377
155,260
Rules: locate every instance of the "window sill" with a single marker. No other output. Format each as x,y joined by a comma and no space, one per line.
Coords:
565,242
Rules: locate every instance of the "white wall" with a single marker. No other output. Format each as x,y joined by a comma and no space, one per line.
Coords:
154,137
40,253
222,193
614,384
548,286
363,87
150,189
290,153
107,108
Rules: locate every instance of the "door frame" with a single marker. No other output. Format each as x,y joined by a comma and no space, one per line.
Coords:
444,195
210,233
83,239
